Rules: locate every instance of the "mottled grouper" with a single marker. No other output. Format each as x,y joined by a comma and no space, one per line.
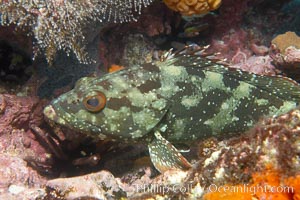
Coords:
177,101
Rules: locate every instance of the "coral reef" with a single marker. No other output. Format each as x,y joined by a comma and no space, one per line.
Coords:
144,33
137,50
283,41
14,171
241,31
294,182
243,28
58,25
19,144
191,7
257,64
266,184
17,116
285,52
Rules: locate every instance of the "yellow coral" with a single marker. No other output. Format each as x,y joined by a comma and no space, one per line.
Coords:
190,7
286,40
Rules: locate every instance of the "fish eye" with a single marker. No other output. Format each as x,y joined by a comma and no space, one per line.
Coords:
95,102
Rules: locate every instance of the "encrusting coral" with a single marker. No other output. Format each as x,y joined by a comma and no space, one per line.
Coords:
283,41
58,25
265,185
285,52
190,7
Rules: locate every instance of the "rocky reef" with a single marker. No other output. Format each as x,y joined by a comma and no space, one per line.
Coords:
87,38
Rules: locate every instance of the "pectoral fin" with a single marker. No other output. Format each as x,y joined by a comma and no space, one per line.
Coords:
165,156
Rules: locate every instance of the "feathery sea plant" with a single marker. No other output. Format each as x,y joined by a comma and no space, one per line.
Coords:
58,24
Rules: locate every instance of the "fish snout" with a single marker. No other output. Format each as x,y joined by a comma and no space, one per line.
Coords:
51,114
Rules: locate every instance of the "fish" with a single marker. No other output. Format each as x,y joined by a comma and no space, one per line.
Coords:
179,100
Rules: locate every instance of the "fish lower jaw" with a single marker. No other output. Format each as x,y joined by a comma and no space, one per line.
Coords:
51,114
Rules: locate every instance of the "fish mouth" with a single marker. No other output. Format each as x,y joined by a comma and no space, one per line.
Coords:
54,113
51,114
